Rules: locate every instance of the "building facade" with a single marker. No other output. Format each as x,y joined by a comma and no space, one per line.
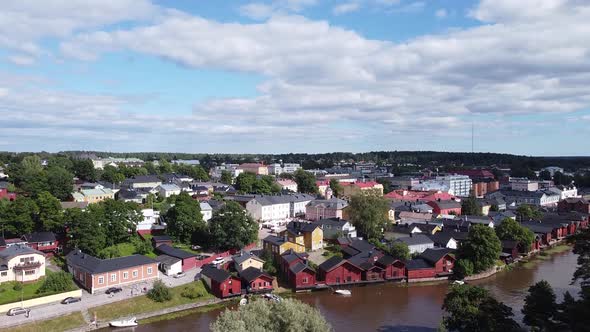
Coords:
21,263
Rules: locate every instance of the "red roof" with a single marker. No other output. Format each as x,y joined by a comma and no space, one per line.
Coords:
322,183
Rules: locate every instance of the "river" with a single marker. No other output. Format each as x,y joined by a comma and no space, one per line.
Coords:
393,307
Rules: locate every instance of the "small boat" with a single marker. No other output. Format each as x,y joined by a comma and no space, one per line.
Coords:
342,292
243,301
272,297
458,282
124,322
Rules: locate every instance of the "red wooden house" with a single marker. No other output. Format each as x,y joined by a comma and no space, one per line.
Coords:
445,207
256,280
510,251
288,259
392,268
221,283
45,242
158,240
301,276
544,231
578,204
366,261
4,194
189,260
435,262
337,271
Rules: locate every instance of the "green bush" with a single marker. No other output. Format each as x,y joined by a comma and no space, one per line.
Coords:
160,292
57,282
463,268
194,292
17,286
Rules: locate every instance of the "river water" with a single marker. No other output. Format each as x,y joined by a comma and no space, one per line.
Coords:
393,307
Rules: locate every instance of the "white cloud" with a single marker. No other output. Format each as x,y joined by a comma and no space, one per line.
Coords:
412,7
441,13
256,11
345,8
261,11
21,60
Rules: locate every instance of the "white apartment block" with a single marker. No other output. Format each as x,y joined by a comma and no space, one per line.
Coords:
523,184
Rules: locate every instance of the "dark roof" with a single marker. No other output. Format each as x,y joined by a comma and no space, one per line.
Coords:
331,263
361,245
128,194
433,255
216,274
290,256
243,256
417,264
447,204
168,260
174,252
158,238
349,251
251,273
143,179
401,229
415,239
97,265
441,238
276,240
426,228
39,237
333,222
299,266
537,227
387,260
17,250
298,226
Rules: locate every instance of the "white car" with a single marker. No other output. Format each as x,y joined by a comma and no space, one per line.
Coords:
218,260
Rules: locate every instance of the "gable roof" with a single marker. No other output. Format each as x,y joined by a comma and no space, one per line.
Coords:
332,222
174,252
290,256
445,205
251,273
296,227
276,240
331,263
17,250
387,260
441,238
417,264
159,238
332,203
364,259
214,273
299,266
433,255
39,237
242,257
416,239
97,265
168,260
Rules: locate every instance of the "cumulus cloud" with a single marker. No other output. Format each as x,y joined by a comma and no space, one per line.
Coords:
261,11
345,8
441,13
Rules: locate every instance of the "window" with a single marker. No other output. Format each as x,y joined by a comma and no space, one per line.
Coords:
125,275
113,277
149,270
134,273
29,272
100,280
82,276
305,280
3,274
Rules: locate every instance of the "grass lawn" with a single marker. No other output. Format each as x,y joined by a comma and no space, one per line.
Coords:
183,313
62,323
186,247
8,294
558,249
124,249
142,304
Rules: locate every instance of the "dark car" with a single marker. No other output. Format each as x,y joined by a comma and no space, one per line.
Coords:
70,299
114,290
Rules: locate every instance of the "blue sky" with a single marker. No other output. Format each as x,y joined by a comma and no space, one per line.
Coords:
295,76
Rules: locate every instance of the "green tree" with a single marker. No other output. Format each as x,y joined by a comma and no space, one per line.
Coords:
19,217
119,219
545,175
184,219
286,315
111,174
472,308
336,187
85,231
528,212
399,250
231,227
164,166
84,169
245,182
226,177
470,207
540,307
57,282
482,248
61,161
270,264
50,217
60,182
386,185
151,168
510,229
29,175
463,268
369,214
494,208
159,292
305,182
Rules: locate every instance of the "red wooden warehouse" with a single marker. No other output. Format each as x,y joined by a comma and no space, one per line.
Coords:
337,271
221,283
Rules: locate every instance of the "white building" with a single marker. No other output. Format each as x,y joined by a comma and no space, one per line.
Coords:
206,211
276,168
166,190
150,221
216,171
417,243
458,185
287,184
100,163
565,191
523,184
275,207
21,263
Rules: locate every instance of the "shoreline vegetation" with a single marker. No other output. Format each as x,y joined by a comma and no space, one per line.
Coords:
180,306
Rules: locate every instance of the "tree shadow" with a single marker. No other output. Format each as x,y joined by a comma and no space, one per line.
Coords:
405,328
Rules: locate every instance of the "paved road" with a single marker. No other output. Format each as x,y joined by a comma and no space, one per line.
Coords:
93,300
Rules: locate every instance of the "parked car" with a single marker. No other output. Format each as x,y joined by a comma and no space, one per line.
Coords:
114,290
18,311
218,260
196,247
70,299
179,275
